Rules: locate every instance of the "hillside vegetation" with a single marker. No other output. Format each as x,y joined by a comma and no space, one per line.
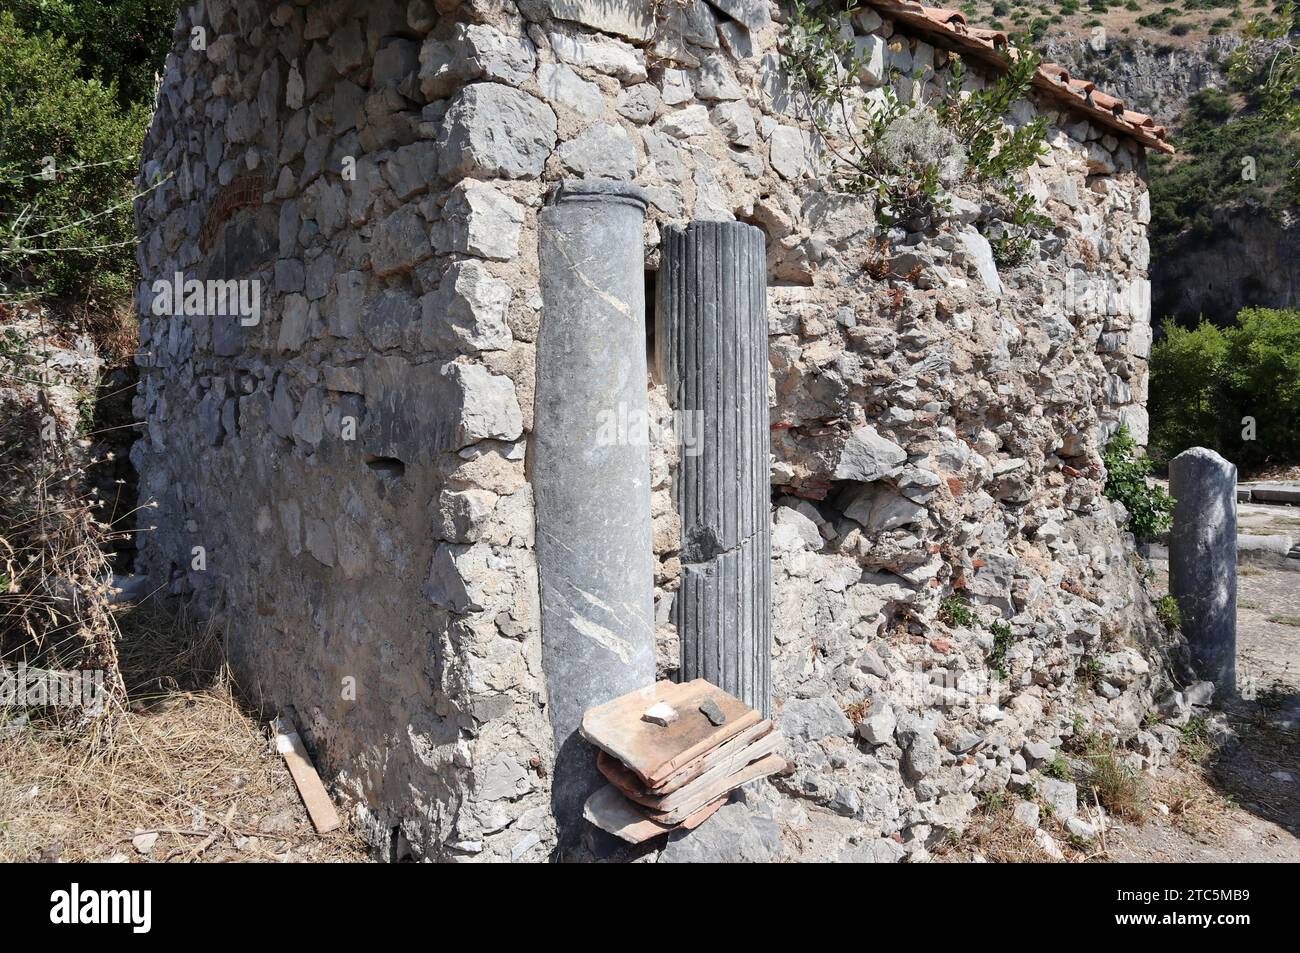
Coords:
1170,23
76,91
1235,390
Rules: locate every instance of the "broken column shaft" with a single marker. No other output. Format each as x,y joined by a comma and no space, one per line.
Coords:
591,469
1203,562
713,306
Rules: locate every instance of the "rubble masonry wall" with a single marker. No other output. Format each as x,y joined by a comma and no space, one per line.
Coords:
355,466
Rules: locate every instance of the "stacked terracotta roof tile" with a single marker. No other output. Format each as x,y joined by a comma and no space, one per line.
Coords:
950,30
672,755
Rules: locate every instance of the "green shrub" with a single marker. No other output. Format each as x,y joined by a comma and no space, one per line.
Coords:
954,610
1168,612
1002,639
1222,141
1261,375
909,155
70,233
1205,382
1118,786
1185,403
1058,768
121,42
1150,508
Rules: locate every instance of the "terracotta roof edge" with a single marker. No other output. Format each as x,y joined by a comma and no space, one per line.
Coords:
1077,94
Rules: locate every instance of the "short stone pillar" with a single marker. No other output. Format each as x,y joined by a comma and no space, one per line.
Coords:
712,291
591,470
1203,562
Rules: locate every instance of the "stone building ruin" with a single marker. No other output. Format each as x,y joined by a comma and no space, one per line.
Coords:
369,481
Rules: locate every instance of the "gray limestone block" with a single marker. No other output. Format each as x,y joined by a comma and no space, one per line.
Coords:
400,242
411,169
812,719
868,456
293,323
480,220
603,150
638,103
736,121
395,62
468,311
564,87
494,131
416,411
752,14
1063,797
736,834
880,850
289,275
632,20
602,54
386,320
349,297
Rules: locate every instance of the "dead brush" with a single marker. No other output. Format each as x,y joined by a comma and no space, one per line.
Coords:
876,264
993,833
115,330
53,571
857,712
1194,803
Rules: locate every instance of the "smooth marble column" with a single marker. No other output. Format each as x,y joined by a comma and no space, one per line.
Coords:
1203,562
591,469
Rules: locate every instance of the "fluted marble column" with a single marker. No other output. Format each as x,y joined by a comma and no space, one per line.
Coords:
712,292
591,469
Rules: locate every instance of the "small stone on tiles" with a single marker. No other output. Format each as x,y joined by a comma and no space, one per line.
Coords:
711,711
662,714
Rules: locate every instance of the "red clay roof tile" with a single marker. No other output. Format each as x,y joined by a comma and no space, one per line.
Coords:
950,29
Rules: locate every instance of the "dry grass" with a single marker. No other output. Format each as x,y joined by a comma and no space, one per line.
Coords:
1122,790
1194,802
114,329
994,834
182,758
1189,791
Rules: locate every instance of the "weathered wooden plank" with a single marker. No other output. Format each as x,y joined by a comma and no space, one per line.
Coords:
317,800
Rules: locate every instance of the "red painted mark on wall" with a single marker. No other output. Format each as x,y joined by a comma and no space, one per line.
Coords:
241,192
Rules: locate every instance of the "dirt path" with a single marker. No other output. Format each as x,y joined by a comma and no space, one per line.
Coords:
1244,806
1246,839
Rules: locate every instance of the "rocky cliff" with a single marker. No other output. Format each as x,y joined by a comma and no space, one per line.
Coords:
1248,254
1153,79
1249,257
